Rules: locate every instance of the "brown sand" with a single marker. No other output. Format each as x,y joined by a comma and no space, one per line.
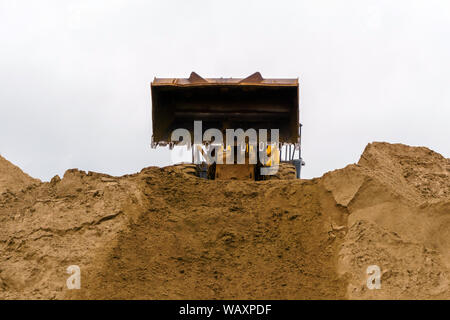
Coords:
12,178
164,234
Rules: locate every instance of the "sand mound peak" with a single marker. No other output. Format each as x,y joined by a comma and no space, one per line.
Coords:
12,177
420,173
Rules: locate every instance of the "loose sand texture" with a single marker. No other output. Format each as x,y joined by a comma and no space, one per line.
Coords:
165,234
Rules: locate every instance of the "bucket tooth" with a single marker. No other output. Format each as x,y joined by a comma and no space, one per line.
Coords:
253,78
195,78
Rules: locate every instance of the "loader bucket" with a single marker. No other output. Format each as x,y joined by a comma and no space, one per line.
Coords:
252,102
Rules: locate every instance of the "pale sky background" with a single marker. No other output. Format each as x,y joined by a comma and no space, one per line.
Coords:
74,75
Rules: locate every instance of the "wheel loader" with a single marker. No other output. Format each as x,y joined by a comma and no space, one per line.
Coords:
252,106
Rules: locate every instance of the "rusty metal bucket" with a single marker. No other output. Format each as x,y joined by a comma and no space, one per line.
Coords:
252,102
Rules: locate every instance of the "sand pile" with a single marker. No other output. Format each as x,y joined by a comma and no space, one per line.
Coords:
398,201
162,233
12,178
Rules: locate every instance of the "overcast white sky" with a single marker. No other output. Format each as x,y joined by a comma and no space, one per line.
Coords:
74,75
